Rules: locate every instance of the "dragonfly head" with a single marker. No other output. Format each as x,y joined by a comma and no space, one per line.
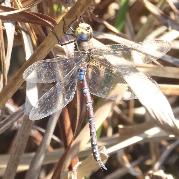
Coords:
83,32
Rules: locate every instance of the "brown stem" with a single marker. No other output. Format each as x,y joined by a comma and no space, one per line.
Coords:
66,125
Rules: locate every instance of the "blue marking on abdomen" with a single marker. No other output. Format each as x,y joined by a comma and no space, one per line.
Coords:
81,74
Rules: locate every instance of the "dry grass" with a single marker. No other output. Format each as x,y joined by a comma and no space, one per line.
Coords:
137,138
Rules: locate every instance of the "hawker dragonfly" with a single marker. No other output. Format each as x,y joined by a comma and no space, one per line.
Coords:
91,68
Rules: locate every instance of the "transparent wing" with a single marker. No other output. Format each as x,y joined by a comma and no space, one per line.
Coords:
105,81
54,99
152,49
51,70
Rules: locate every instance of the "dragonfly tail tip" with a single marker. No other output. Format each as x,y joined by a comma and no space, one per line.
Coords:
102,166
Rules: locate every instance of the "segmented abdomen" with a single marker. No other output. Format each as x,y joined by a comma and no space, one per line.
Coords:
91,119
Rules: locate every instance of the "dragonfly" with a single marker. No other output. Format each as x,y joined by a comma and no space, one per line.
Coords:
90,68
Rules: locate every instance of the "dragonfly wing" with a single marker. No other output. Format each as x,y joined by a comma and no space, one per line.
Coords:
104,81
50,70
149,49
157,48
54,99
114,49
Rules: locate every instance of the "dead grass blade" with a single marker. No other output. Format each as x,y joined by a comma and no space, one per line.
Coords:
85,167
147,27
18,148
139,134
68,137
170,89
173,6
10,32
21,15
2,57
134,130
37,161
164,155
153,133
124,160
89,165
155,102
161,16
10,120
148,94
155,70
122,171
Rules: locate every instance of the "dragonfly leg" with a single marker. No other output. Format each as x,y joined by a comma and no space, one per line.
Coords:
64,31
59,41
69,27
54,33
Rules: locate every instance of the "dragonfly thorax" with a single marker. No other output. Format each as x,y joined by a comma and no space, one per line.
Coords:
83,32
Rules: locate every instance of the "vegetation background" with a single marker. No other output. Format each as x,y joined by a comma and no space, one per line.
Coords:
138,138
